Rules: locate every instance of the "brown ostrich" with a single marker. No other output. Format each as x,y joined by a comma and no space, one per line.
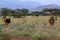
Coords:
51,21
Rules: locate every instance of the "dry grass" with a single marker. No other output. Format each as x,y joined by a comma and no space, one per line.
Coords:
32,25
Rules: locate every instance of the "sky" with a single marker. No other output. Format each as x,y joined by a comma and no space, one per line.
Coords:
21,2
44,2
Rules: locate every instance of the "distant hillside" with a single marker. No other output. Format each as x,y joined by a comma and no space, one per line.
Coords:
39,8
26,4
31,5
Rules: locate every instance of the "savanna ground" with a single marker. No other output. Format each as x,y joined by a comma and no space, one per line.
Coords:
31,26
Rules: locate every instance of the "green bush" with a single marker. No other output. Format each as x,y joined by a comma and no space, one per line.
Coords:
3,34
36,36
24,34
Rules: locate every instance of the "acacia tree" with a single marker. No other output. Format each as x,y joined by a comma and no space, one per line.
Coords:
5,12
17,13
55,12
20,12
36,13
24,12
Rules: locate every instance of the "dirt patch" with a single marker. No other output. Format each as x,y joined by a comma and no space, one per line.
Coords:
29,38
21,38
26,38
49,39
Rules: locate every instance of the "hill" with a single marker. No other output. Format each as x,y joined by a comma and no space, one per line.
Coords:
40,8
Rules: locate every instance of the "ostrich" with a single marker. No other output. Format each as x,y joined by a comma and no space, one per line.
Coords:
6,21
51,21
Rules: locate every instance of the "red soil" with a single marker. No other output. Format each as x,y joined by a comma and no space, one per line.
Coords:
27,38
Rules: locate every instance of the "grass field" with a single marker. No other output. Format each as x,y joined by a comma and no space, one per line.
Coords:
31,26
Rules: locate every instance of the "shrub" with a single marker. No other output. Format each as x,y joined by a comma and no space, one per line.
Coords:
23,34
36,36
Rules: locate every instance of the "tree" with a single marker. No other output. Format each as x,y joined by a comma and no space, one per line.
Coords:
24,12
53,11
36,13
5,12
17,13
20,12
